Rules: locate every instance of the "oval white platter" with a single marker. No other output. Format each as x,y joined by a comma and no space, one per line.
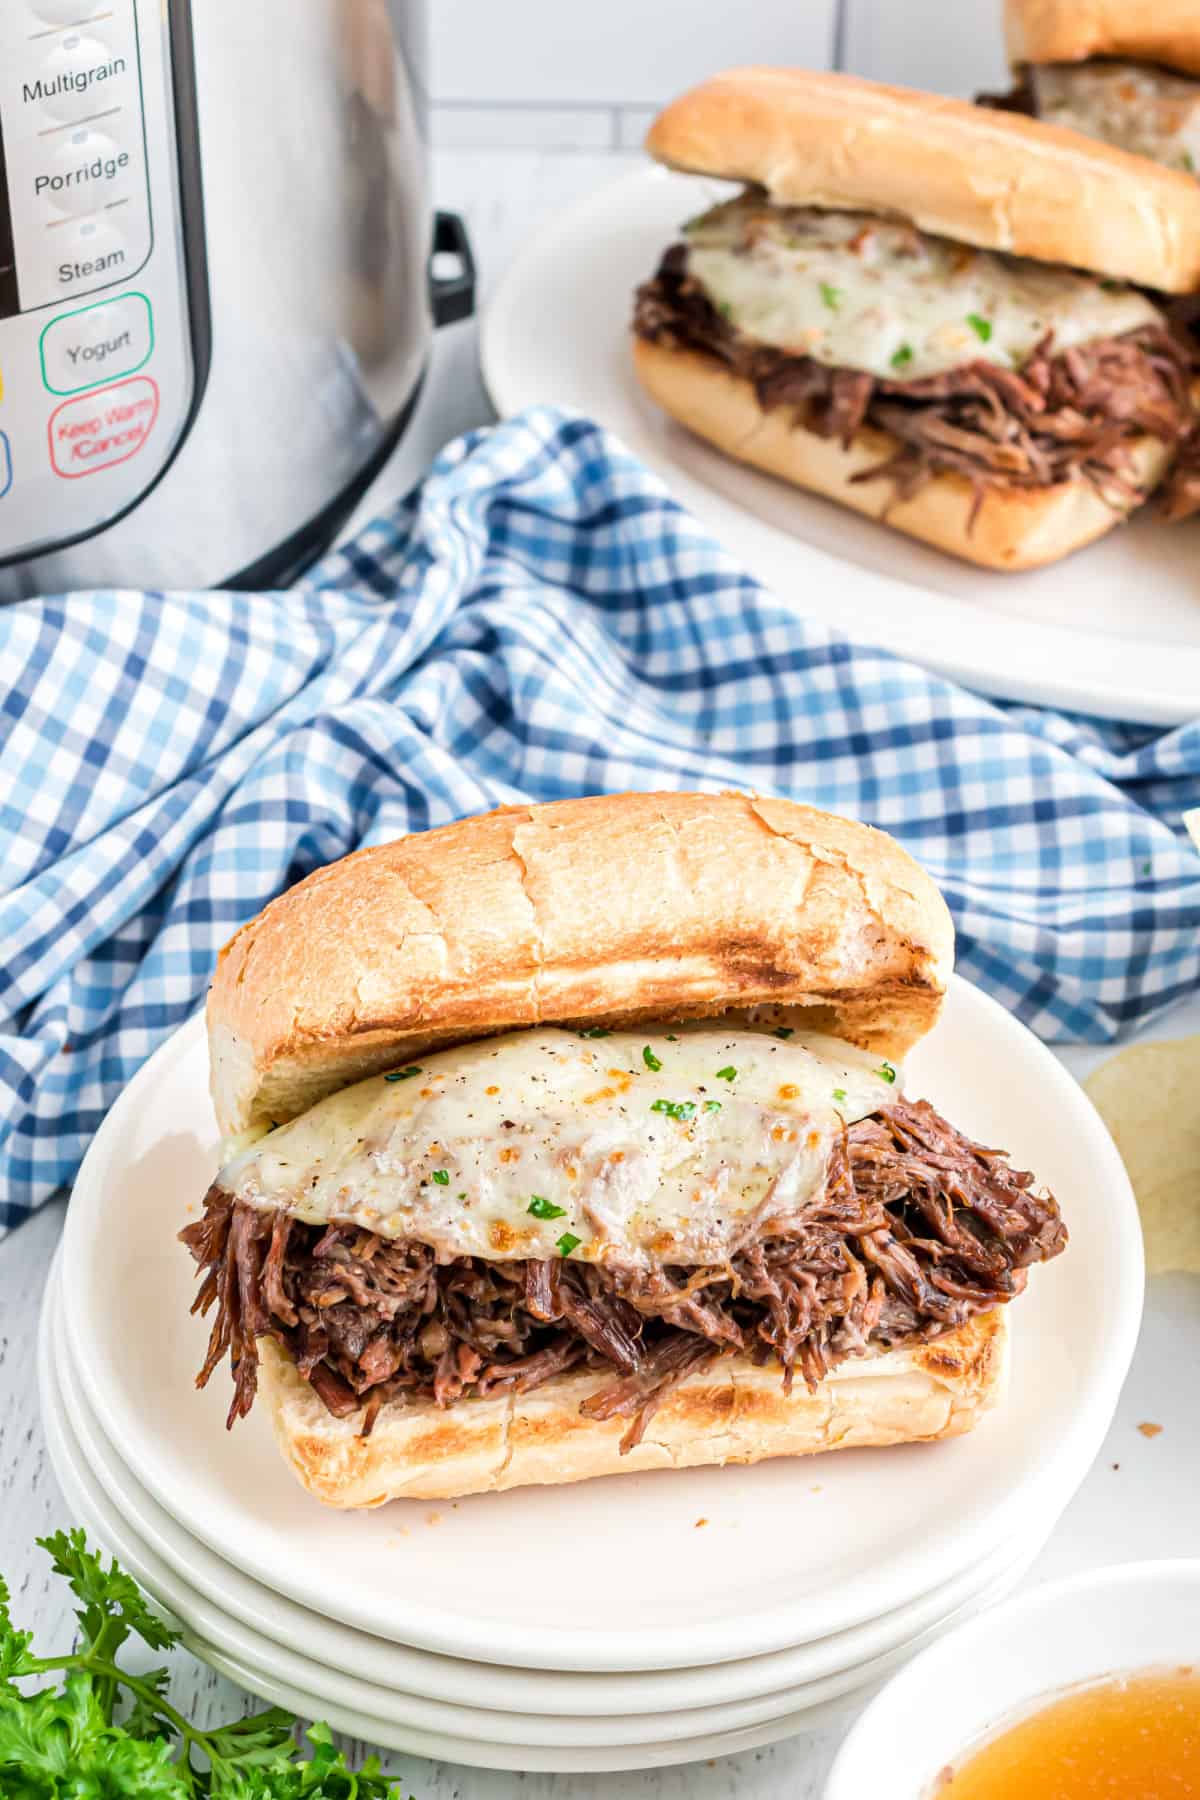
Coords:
402,1669
1113,630
792,1551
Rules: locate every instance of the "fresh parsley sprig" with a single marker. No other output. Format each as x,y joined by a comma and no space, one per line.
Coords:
107,1733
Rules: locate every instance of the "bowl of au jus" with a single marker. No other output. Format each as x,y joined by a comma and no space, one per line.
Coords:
1077,1688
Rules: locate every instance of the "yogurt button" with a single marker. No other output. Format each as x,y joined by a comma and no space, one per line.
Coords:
97,343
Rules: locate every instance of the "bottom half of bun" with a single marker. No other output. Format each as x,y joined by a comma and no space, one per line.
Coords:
735,1411
1012,528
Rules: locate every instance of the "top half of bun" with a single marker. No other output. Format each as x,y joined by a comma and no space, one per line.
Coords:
619,908
989,178
1050,31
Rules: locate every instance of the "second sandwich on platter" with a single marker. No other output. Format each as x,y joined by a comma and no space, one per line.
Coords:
1126,72
573,1140
946,317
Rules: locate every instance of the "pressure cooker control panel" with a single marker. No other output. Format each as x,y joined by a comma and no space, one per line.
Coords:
96,365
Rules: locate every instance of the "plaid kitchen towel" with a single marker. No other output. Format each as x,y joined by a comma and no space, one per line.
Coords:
538,619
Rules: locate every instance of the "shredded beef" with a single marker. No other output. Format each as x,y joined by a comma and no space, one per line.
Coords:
1064,415
1181,490
1019,98
916,1229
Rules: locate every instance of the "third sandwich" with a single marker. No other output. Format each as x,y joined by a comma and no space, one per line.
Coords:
941,315
1124,71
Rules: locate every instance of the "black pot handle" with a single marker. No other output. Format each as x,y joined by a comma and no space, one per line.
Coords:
452,296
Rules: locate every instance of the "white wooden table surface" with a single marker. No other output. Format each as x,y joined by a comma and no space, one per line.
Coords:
1140,1497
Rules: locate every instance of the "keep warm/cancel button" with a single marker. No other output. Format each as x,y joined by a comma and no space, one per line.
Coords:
102,428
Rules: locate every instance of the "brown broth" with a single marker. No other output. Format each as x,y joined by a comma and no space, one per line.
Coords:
1137,1738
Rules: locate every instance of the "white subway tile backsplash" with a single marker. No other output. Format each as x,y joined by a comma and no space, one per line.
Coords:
524,127
633,122
620,52
549,74
947,46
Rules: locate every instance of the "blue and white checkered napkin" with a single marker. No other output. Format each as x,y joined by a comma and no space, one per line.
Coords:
538,619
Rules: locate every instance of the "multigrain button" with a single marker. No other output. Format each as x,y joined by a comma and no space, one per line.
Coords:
80,77
97,343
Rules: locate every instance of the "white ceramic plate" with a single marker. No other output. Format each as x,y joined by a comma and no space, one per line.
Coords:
207,1628
260,1674
793,1550
107,1517
382,1718
1113,630
526,1759
399,1669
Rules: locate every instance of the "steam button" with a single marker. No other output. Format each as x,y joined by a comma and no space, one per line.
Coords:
87,253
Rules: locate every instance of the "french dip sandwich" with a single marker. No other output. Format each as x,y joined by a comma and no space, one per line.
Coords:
1128,73
573,1139
931,312
1124,71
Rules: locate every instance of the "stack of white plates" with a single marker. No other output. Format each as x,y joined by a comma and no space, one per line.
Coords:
624,1623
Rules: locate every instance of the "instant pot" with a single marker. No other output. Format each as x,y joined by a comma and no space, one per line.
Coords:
215,293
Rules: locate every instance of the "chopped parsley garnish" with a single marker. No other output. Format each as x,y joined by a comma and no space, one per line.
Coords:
675,1109
568,1242
442,1177
784,1031
888,1073
712,1106
728,1073
594,1031
902,357
545,1209
671,1038
403,1074
1110,286
725,310
1189,162
98,1722
980,326
839,1095
651,1061
831,296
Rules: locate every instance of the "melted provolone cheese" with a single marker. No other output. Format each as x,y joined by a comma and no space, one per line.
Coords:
652,1148
858,292
1147,111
